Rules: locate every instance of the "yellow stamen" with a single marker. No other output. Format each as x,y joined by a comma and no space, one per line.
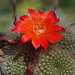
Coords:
39,28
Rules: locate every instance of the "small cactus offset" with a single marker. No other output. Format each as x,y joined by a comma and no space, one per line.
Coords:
40,44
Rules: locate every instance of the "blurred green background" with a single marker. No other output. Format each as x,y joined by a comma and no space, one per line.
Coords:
66,6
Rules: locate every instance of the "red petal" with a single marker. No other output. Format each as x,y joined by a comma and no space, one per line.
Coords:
55,28
20,30
51,39
51,14
58,36
24,24
24,17
33,14
49,17
54,37
47,21
21,23
54,21
44,43
41,16
26,37
35,42
27,19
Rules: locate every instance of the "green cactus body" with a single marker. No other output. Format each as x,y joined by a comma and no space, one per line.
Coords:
57,62
11,67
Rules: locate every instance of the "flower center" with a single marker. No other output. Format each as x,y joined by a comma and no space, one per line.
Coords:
39,28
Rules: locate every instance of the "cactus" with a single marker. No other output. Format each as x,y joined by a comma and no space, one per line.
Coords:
57,60
11,67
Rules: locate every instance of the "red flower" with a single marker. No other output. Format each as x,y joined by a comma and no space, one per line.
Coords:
39,28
